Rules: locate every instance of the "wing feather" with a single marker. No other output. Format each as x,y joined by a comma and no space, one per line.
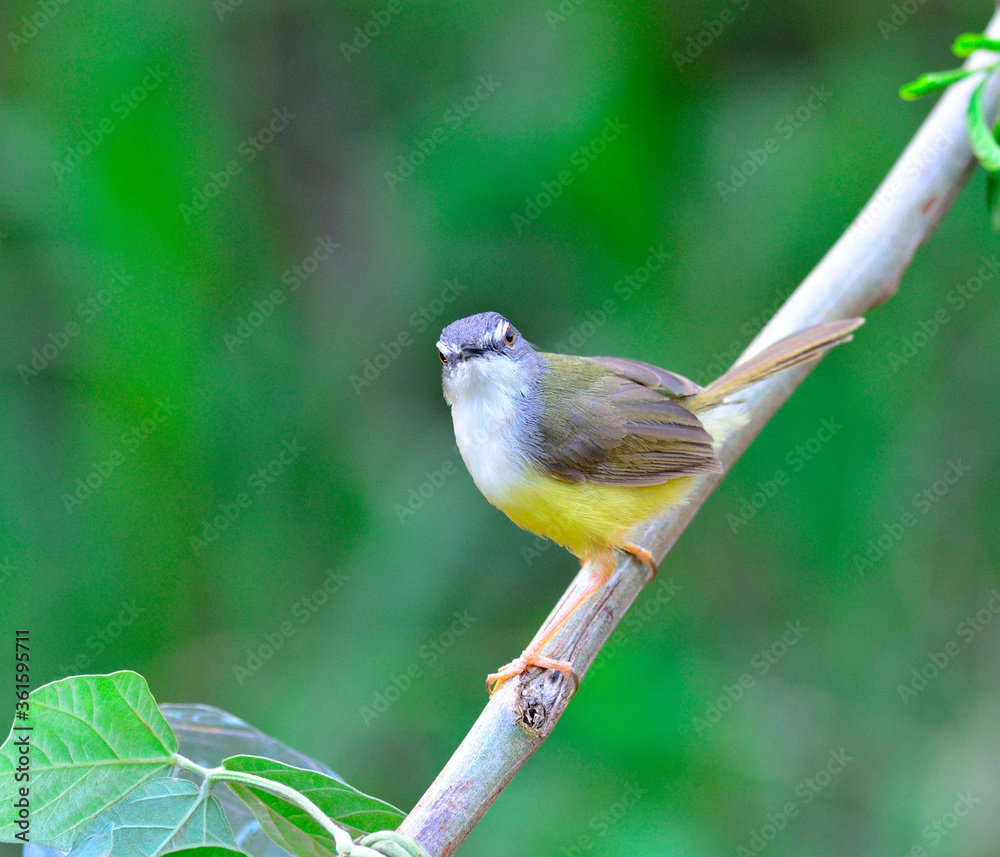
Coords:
604,420
649,375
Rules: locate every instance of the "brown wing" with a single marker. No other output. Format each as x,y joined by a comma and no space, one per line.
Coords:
599,424
650,376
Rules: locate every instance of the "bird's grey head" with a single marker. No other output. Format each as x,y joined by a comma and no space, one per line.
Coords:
483,352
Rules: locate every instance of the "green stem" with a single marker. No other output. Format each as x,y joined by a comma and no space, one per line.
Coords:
340,836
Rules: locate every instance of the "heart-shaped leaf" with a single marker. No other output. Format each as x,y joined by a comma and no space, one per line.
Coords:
291,827
88,741
206,851
159,817
207,735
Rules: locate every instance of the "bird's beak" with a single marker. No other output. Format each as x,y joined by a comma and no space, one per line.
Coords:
468,351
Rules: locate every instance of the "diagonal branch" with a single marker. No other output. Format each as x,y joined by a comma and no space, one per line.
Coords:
862,270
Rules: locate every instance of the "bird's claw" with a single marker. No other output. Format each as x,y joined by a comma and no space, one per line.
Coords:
527,660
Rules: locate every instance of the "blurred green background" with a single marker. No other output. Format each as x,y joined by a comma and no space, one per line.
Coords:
229,236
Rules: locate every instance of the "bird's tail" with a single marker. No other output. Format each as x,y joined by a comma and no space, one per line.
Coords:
801,347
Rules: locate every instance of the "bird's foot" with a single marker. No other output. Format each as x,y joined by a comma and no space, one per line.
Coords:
530,659
643,555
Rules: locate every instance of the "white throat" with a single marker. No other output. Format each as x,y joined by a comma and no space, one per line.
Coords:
488,410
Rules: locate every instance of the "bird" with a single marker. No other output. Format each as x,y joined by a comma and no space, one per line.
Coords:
582,449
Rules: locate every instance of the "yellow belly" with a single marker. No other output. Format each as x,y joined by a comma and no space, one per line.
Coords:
587,517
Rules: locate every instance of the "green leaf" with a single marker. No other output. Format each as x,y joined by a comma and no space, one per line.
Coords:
933,82
159,817
993,193
92,740
290,826
966,43
981,138
97,845
207,851
208,735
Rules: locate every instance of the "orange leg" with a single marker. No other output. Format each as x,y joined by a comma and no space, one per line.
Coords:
602,567
642,555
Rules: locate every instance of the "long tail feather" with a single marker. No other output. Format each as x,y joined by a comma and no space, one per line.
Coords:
801,347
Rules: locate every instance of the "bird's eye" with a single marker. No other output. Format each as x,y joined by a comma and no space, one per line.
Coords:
508,336
443,358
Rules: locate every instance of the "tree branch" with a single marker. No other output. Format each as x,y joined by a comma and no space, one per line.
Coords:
862,270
